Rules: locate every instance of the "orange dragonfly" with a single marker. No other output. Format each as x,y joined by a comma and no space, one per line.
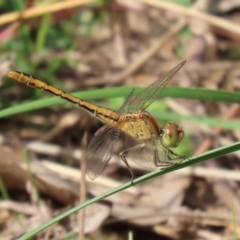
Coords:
147,143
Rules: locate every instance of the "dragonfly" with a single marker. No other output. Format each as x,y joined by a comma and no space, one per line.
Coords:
147,142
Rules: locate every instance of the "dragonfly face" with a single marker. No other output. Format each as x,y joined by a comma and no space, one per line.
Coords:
146,143
172,135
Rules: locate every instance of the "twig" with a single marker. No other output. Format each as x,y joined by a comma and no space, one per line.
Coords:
82,187
38,11
190,12
209,141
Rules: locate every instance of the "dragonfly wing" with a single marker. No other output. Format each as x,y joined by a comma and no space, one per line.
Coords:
162,154
125,107
148,95
100,150
143,154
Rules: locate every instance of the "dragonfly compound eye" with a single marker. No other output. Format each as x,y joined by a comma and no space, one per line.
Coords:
172,135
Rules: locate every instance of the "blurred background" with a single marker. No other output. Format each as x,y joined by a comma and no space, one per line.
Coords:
99,50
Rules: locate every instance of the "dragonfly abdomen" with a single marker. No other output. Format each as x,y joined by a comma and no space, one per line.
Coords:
106,115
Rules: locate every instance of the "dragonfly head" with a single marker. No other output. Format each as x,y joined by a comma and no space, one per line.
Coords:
172,135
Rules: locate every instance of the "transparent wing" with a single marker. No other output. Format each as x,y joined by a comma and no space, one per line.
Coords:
100,150
148,95
125,107
143,154
149,155
162,153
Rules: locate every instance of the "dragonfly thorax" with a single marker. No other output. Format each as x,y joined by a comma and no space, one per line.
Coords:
140,125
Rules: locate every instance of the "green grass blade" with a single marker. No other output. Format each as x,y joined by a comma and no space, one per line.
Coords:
191,161
174,92
203,120
42,32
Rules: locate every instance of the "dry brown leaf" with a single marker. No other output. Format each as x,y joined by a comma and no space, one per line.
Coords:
14,173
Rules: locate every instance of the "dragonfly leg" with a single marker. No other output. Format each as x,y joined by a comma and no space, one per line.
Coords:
162,164
168,152
123,156
174,154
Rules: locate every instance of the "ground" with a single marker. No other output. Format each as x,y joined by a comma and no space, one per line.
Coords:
101,51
